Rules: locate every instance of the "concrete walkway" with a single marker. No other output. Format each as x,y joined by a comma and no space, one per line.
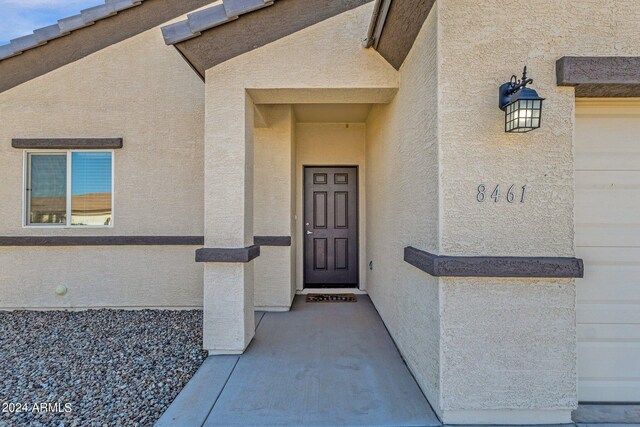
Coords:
321,364
324,364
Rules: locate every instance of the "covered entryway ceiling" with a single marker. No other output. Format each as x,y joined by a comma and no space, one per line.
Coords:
331,113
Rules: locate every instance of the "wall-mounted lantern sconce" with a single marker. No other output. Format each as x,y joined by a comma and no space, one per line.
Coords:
522,106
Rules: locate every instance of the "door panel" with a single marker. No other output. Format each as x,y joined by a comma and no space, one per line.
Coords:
330,226
342,254
319,254
319,209
341,209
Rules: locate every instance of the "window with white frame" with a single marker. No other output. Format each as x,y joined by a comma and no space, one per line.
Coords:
69,188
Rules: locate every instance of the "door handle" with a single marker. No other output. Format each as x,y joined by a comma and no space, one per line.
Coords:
309,232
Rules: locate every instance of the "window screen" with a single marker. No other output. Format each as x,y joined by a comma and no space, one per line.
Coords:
47,189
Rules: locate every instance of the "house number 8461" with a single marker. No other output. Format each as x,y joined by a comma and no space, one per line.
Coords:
511,196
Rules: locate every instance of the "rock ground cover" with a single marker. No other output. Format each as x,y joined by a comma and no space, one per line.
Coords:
95,368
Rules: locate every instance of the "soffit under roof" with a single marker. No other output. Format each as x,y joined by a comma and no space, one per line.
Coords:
395,26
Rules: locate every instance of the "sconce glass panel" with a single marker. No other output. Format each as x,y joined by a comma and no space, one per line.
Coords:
523,115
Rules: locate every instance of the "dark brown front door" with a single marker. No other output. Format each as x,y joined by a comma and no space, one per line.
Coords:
330,227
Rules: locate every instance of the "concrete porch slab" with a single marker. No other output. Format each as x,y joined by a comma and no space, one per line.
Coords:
331,364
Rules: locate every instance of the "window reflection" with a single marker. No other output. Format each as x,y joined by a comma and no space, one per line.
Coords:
91,190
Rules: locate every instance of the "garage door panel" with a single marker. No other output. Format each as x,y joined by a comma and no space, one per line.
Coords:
605,333
609,370
607,179
610,274
607,197
607,235
607,218
619,129
609,360
608,285
606,160
608,391
610,255
608,313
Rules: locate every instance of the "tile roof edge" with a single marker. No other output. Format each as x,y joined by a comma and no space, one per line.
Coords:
65,26
210,17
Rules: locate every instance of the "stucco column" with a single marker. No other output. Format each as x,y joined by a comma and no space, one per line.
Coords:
229,251
274,201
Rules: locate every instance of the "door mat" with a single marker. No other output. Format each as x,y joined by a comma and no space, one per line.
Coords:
332,298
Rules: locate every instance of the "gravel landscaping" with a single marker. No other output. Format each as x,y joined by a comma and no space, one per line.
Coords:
95,368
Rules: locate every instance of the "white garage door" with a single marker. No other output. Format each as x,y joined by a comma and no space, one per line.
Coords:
607,216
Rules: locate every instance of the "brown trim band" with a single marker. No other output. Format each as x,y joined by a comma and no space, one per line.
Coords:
272,240
600,76
101,240
491,266
67,143
227,254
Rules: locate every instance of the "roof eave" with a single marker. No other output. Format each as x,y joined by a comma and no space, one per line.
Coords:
394,27
210,17
65,26
378,18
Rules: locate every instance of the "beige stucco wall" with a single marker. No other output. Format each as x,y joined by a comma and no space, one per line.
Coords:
331,144
274,187
140,90
107,276
402,210
508,347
